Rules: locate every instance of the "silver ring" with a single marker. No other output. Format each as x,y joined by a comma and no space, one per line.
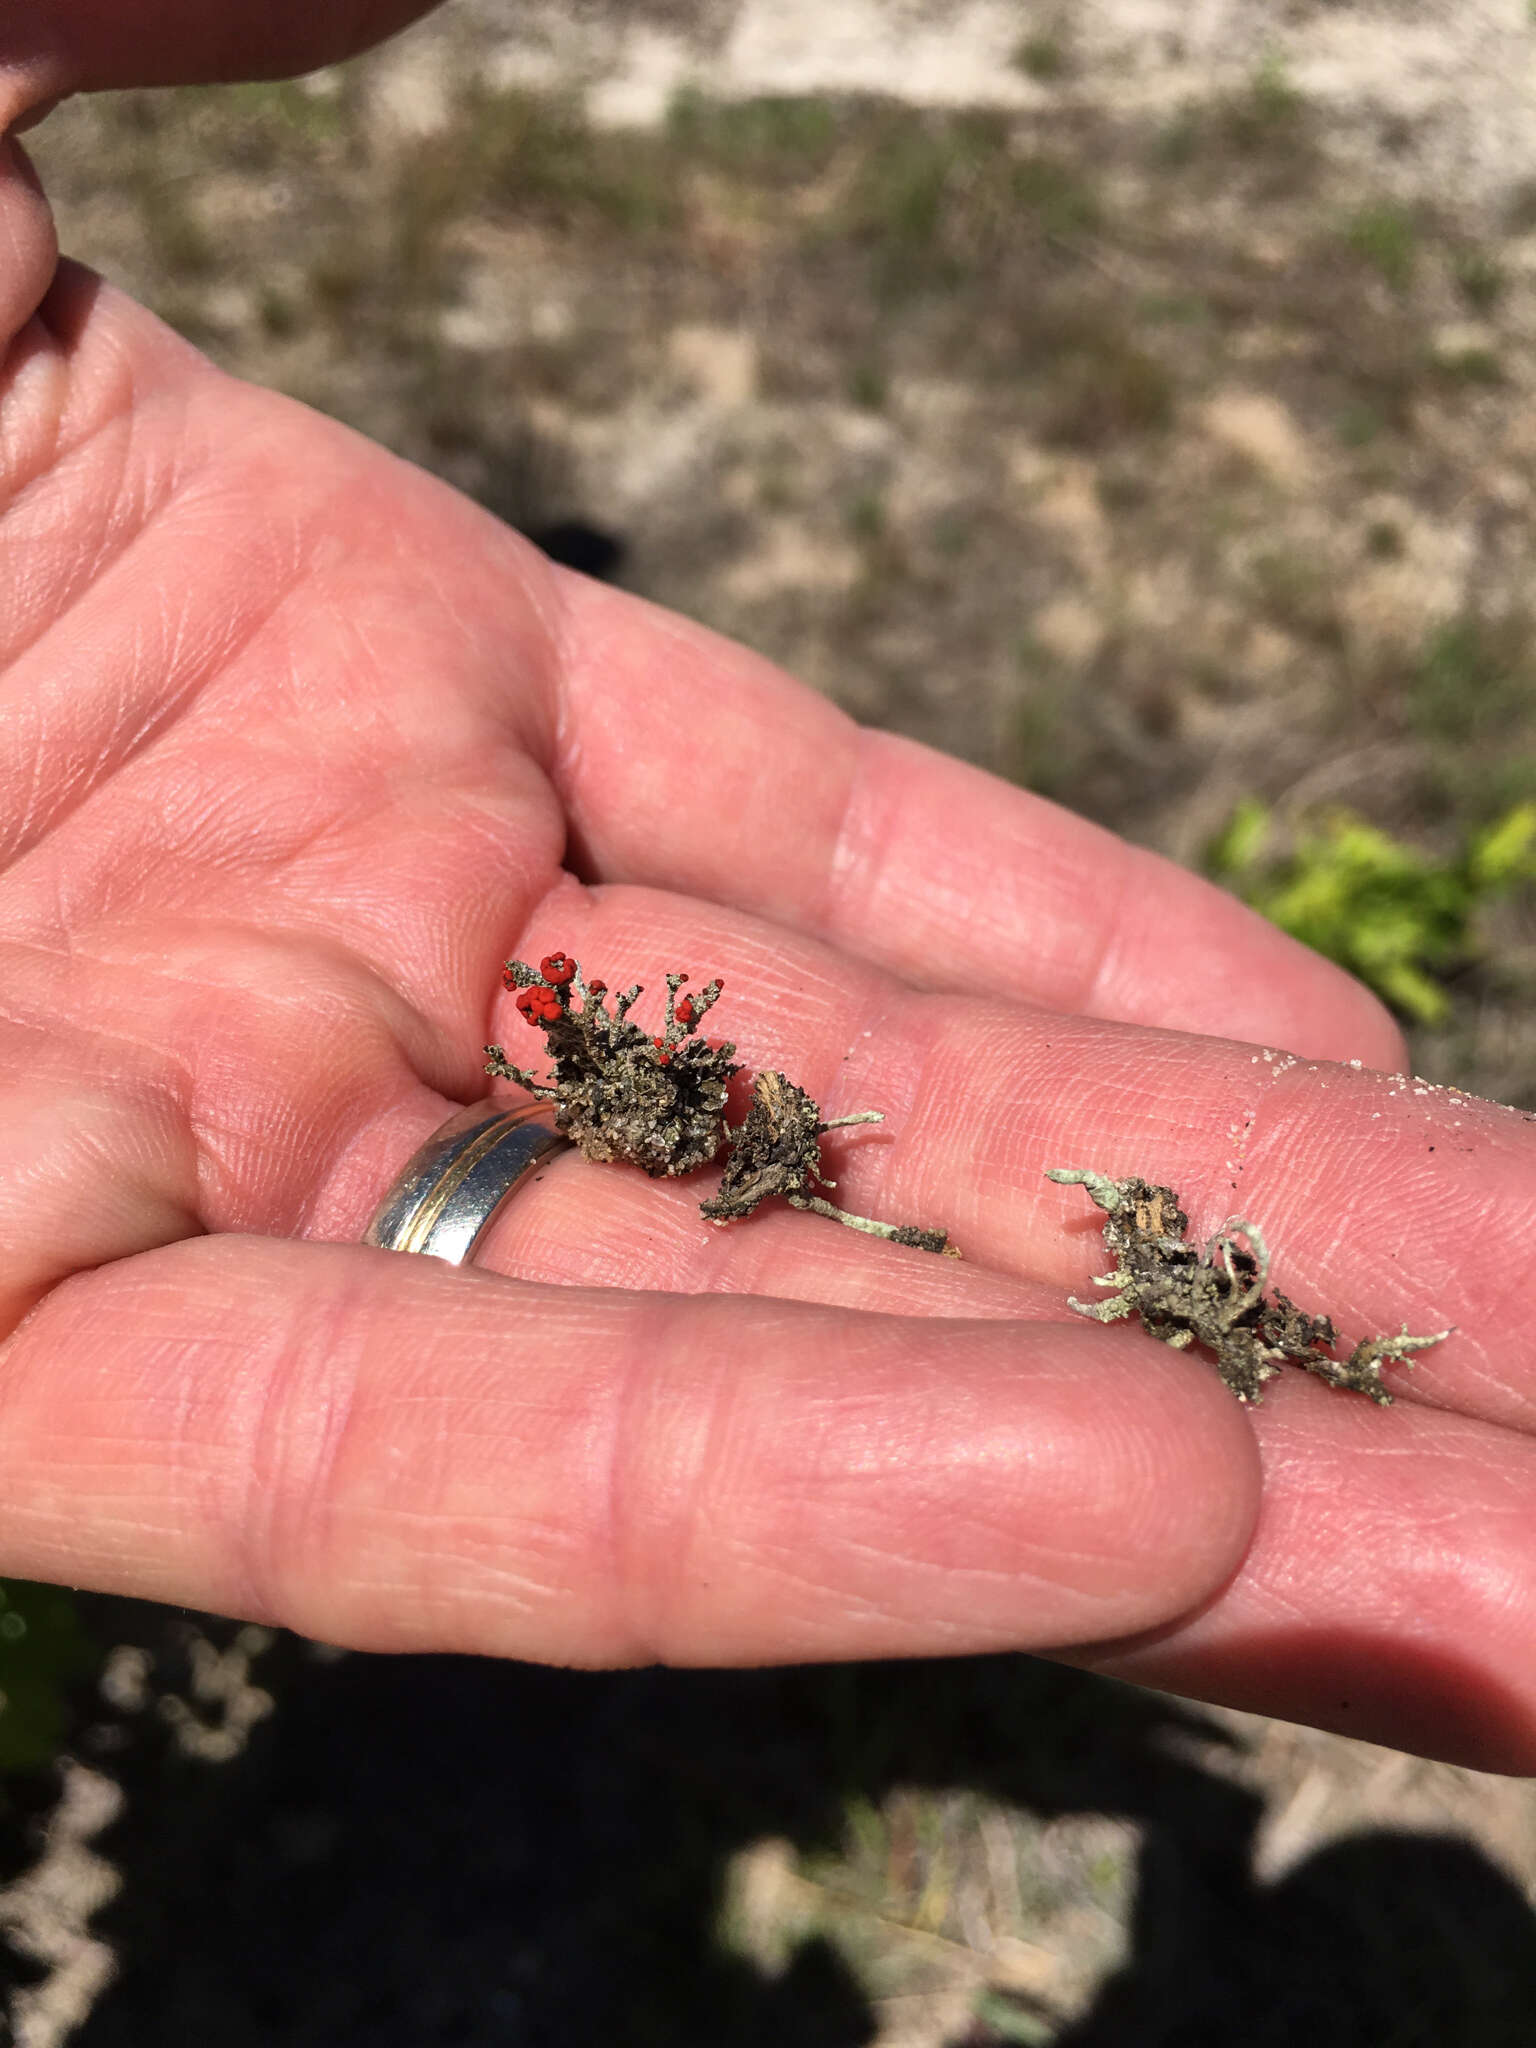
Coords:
446,1194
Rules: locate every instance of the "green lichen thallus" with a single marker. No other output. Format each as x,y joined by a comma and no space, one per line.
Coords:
621,1093
1215,1296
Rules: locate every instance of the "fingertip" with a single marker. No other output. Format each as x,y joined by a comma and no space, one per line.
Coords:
1174,1468
1212,965
36,115
29,249
1388,1595
1337,1018
971,1488
102,45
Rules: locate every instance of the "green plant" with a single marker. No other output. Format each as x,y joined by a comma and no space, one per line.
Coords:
1103,386
1386,237
779,136
534,156
1475,681
1384,541
43,1650
1042,58
1006,2017
866,517
900,197
1480,279
1264,120
1359,423
1270,108
277,106
1394,916
1175,308
168,213
1470,366
280,318
1177,142
1059,196
1297,588
868,386
929,198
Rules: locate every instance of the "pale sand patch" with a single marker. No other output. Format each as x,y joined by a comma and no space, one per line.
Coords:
1462,76
1261,430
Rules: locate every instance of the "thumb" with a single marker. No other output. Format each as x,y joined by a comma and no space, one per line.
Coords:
62,46
50,48
29,250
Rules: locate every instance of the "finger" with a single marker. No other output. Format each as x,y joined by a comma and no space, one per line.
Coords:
691,764
1384,1200
28,253
1389,1595
1389,1591
581,1225
64,46
382,1451
915,863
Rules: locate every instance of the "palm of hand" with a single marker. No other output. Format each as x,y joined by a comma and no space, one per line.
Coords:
297,747
266,823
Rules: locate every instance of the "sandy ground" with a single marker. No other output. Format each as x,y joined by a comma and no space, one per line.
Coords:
1462,72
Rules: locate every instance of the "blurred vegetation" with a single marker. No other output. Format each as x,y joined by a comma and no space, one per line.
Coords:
1471,698
1386,237
45,1650
1391,914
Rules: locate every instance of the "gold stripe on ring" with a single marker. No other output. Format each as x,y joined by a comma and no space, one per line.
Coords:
446,1194
430,1212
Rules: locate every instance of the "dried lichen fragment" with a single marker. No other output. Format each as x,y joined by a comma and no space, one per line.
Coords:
776,1151
659,1102
1215,1296
619,1092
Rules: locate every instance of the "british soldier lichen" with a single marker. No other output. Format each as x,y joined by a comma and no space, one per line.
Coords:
659,1103
1215,1296
620,1092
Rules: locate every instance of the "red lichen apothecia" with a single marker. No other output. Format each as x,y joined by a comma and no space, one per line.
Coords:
659,1102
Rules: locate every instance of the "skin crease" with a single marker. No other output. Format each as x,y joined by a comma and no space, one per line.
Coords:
295,748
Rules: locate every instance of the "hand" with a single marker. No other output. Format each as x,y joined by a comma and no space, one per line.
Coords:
298,746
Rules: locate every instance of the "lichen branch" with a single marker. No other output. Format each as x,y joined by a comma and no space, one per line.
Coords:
659,1102
1215,1296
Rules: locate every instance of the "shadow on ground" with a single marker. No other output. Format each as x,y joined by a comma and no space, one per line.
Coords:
428,1851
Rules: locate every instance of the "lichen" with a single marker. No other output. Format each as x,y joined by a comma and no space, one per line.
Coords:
1215,1295
659,1103
776,1151
621,1093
